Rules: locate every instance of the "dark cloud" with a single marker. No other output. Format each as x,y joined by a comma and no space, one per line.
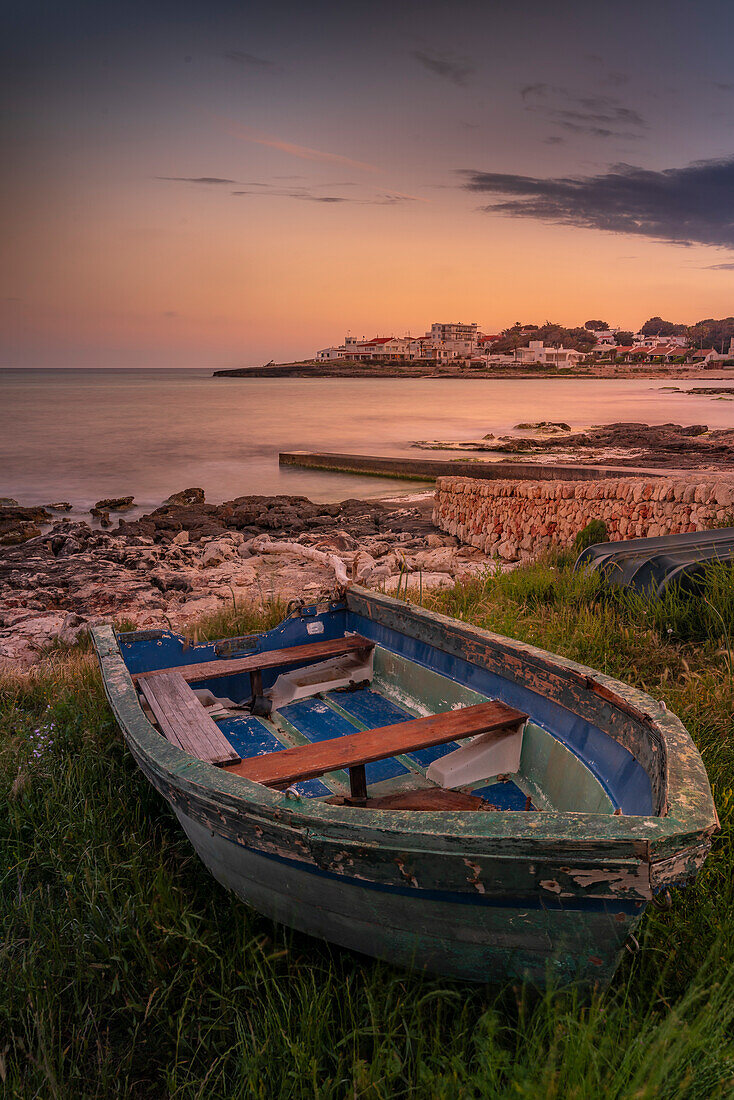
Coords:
554,139
170,313
195,179
596,115
692,205
446,65
248,60
723,87
719,267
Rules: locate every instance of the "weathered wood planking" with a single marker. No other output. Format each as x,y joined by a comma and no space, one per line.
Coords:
273,658
432,798
279,769
183,719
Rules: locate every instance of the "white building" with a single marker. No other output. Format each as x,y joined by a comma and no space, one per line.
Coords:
639,340
458,338
557,357
605,339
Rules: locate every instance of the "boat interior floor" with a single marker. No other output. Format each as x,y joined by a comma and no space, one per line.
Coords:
356,723
395,782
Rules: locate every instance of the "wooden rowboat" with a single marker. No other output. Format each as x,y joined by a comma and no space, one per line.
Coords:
417,789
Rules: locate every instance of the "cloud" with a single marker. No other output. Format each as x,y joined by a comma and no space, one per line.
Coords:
722,86
596,115
195,179
718,267
301,151
248,60
305,194
691,205
446,65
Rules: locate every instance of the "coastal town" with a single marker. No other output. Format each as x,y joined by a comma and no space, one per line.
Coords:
458,342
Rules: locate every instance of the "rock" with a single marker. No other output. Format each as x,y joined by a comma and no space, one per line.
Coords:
218,551
13,534
186,496
73,626
441,560
363,566
417,582
540,426
113,504
168,580
340,540
181,539
60,506
8,502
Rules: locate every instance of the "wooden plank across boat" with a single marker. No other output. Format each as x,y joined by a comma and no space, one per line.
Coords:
417,789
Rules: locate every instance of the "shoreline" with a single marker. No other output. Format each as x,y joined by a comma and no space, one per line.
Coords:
187,560
603,372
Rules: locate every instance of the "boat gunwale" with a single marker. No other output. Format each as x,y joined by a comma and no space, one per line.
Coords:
687,825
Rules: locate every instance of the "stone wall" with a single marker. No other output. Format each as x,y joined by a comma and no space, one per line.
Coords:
515,520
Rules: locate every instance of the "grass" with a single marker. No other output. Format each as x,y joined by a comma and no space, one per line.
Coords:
125,970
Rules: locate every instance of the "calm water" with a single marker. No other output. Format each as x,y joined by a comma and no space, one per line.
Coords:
79,435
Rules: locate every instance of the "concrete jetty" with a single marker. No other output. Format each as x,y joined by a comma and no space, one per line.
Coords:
428,469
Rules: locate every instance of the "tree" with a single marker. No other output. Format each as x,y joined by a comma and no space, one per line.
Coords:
712,334
624,339
597,326
656,326
551,334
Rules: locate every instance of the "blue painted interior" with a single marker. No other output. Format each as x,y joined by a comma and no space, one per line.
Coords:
506,796
249,737
375,710
621,775
318,722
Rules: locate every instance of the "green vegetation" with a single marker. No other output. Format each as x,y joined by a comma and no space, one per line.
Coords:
551,333
656,326
709,333
125,970
595,531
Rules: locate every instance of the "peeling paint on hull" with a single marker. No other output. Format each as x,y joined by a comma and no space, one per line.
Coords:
484,943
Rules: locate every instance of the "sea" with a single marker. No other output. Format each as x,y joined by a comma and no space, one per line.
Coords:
81,435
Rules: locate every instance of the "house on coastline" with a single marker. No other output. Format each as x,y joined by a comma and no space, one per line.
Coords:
536,352
444,341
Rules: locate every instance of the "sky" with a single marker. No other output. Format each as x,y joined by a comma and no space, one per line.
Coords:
224,184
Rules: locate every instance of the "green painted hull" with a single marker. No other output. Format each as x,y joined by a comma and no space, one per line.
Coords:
480,897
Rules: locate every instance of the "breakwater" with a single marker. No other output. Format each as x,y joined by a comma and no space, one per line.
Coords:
428,469
515,519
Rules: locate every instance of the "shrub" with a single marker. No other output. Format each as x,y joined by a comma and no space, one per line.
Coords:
595,531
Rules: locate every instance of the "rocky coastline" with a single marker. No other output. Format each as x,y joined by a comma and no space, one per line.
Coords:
689,447
188,559
374,369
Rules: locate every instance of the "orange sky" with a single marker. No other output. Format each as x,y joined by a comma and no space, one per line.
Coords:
340,205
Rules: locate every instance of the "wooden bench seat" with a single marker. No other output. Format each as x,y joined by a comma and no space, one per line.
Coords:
256,662
281,769
183,720
427,798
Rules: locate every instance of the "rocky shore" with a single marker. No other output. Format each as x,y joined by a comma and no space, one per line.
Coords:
460,368
188,559
690,447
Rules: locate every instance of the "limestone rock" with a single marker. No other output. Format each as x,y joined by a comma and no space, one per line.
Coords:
186,496
112,504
